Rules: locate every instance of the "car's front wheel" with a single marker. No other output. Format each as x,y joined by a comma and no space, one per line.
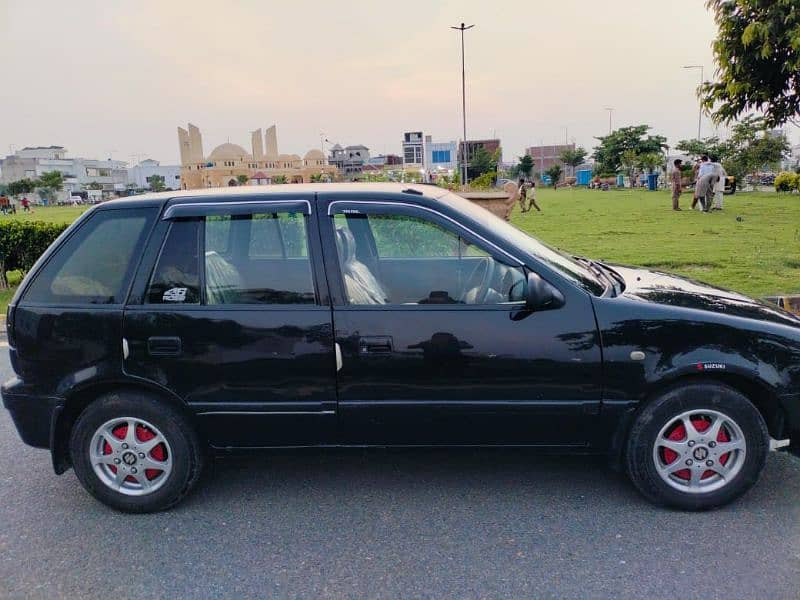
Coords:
135,453
697,446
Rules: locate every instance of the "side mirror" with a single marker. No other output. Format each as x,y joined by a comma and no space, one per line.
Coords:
542,295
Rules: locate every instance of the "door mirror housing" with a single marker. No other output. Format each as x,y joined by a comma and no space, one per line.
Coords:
542,295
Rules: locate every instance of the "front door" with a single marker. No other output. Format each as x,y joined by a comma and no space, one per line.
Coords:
437,345
230,320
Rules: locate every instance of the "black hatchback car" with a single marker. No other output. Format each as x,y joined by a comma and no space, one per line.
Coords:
159,330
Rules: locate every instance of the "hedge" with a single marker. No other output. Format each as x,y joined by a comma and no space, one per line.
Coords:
23,242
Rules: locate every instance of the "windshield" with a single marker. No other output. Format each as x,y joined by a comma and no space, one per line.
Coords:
564,264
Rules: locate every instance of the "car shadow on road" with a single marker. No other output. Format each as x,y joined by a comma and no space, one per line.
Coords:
428,474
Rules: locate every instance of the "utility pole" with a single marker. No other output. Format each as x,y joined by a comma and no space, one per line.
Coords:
462,28
700,111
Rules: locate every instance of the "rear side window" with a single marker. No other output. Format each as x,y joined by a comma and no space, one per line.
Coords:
95,265
176,278
259,258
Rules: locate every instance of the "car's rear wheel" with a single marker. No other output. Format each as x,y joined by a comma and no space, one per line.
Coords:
697,446
135,453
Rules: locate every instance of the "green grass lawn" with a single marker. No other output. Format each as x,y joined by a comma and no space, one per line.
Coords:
757,255
50,214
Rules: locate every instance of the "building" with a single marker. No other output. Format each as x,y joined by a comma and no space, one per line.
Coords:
490,145
413,150
440,156
350,161
545,157
140,176
228,163
110,176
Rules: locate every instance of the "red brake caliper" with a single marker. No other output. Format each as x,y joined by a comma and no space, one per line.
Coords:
678,434
119,432
143,434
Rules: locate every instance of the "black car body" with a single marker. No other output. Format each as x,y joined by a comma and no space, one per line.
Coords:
371,315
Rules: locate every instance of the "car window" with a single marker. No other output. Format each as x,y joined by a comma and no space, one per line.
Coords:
419,262
176,278
95,265
258,259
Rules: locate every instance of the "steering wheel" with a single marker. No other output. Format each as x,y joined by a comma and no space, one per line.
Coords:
482,289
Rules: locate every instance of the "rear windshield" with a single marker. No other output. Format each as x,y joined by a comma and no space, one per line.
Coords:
94,266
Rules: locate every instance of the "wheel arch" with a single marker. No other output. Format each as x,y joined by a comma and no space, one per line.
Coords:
76,402
757,392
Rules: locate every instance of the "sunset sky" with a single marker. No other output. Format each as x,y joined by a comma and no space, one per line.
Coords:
116,78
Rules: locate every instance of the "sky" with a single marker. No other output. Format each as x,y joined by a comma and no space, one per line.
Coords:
115,79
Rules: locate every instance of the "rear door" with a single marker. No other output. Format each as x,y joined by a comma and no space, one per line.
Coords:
233,318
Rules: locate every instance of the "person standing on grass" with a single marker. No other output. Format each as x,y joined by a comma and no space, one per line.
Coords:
695,177
530,196
523,189
705,168
25,203
676,184
719,186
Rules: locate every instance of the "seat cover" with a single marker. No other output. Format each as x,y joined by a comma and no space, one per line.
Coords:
361,285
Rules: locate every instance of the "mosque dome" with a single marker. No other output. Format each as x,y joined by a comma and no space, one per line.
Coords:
314,155
228,152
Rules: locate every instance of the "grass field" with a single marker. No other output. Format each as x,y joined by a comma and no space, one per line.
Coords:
753,246
50,214
758,254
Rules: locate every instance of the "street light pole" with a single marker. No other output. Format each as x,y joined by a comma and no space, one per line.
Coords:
462,28
610,112
700,111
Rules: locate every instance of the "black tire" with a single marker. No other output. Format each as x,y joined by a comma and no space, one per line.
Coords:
664,409
186,452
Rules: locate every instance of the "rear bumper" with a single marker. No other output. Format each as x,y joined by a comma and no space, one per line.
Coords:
33,415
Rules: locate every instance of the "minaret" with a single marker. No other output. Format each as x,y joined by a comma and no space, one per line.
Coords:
184,146
258,145
195,144
271,139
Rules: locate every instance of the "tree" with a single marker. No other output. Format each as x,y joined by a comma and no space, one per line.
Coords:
279,179
21,186
573,157
753,146
525,165
156,183
710,146
628,162
94,186
554,173
608,153
650,161
242,179
757,51
482,162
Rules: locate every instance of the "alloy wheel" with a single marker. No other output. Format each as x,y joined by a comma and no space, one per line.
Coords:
699,451
130,456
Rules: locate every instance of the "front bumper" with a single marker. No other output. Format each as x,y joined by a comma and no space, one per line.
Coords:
33,414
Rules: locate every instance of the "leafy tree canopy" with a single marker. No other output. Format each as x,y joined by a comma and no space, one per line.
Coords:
608,153
753,146
157,183
574,157
525,165
21,186
483,162
554,173
711,146
757,51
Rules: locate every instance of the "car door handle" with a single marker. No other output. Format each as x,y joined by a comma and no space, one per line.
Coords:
163,346
375,344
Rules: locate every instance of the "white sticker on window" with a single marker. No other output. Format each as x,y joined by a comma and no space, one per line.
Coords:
175,295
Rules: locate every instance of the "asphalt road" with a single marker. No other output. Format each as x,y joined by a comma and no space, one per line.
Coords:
392,524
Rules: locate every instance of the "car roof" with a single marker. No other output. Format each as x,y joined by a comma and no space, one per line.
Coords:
230,194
